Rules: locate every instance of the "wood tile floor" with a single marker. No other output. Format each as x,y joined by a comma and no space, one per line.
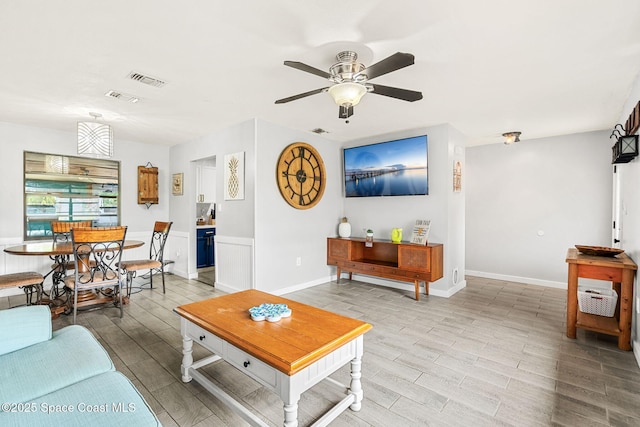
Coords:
494,354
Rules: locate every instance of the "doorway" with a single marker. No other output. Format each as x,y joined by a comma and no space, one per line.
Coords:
206,227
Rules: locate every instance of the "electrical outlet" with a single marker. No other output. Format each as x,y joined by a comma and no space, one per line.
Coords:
178,254
298,262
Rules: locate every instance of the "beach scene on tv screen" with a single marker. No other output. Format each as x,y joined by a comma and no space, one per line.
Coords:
393,168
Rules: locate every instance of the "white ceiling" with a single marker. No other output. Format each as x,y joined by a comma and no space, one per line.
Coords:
543,67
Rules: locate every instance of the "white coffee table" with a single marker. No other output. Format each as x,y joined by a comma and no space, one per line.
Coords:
289,356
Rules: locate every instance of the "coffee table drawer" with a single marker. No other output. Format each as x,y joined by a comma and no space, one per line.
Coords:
251,366
205,338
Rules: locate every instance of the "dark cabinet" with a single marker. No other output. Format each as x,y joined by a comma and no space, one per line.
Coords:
205,241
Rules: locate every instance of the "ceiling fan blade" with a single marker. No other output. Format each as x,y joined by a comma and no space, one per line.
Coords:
301,95
392,63
394,92
308,68
345,112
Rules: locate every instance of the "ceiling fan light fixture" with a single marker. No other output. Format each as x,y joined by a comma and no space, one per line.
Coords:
348,93
511,137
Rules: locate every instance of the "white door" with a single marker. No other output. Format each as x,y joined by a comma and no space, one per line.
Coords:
618,207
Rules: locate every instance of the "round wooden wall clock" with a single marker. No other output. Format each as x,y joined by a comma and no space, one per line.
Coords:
301,175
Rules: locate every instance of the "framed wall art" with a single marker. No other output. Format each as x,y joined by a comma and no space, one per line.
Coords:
457,176
234,176
176,184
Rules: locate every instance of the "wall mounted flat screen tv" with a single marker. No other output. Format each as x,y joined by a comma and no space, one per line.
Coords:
391,168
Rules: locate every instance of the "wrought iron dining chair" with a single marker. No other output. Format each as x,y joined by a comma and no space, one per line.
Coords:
61,231
30,282
97,253
155,262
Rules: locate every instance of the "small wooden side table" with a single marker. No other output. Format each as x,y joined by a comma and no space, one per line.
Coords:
619,270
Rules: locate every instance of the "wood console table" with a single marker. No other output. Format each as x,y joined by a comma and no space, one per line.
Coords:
398,261
619,270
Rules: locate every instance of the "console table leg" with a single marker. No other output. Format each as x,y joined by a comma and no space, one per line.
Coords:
417,286
572,300
187,358
626,308
338,276
291,414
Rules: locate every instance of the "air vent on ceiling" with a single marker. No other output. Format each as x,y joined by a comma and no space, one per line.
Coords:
122,96
151,81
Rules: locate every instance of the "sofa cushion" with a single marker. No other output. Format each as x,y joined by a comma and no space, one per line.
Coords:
107,399
72,355
24,326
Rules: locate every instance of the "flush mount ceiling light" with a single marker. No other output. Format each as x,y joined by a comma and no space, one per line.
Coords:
95,139
511,137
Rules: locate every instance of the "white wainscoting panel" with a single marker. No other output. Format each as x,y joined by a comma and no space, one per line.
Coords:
10,263
234,263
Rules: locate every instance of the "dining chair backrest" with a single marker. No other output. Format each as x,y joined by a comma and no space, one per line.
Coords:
97,253
61,229
158,240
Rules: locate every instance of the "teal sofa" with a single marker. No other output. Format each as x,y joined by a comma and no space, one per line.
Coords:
62,378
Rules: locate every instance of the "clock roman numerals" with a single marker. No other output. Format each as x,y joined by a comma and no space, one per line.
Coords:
301,175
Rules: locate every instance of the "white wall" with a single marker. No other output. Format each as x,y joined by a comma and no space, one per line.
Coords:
15,139
281,234
442,206
559,186
284,233
233,218
630,235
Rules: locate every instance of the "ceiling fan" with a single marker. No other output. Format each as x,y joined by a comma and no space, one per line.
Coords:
351,80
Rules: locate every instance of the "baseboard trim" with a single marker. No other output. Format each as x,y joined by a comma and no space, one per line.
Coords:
224,288
301,286
405,286
518,279
366,279
635,345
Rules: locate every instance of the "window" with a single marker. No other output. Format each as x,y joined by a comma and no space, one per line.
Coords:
66,188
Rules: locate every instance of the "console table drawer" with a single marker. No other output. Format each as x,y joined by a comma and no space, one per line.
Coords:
417,275
251,366
370,268
205,338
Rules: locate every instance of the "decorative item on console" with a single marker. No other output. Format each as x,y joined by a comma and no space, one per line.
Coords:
369,238
396,235
344,228
420,233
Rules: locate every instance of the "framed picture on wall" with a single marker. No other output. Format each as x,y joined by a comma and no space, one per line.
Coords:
176,184
234,176
457,176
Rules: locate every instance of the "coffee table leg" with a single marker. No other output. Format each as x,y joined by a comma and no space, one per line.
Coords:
355,387
187,358
291,414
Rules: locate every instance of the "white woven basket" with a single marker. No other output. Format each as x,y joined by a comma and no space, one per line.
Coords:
601,302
